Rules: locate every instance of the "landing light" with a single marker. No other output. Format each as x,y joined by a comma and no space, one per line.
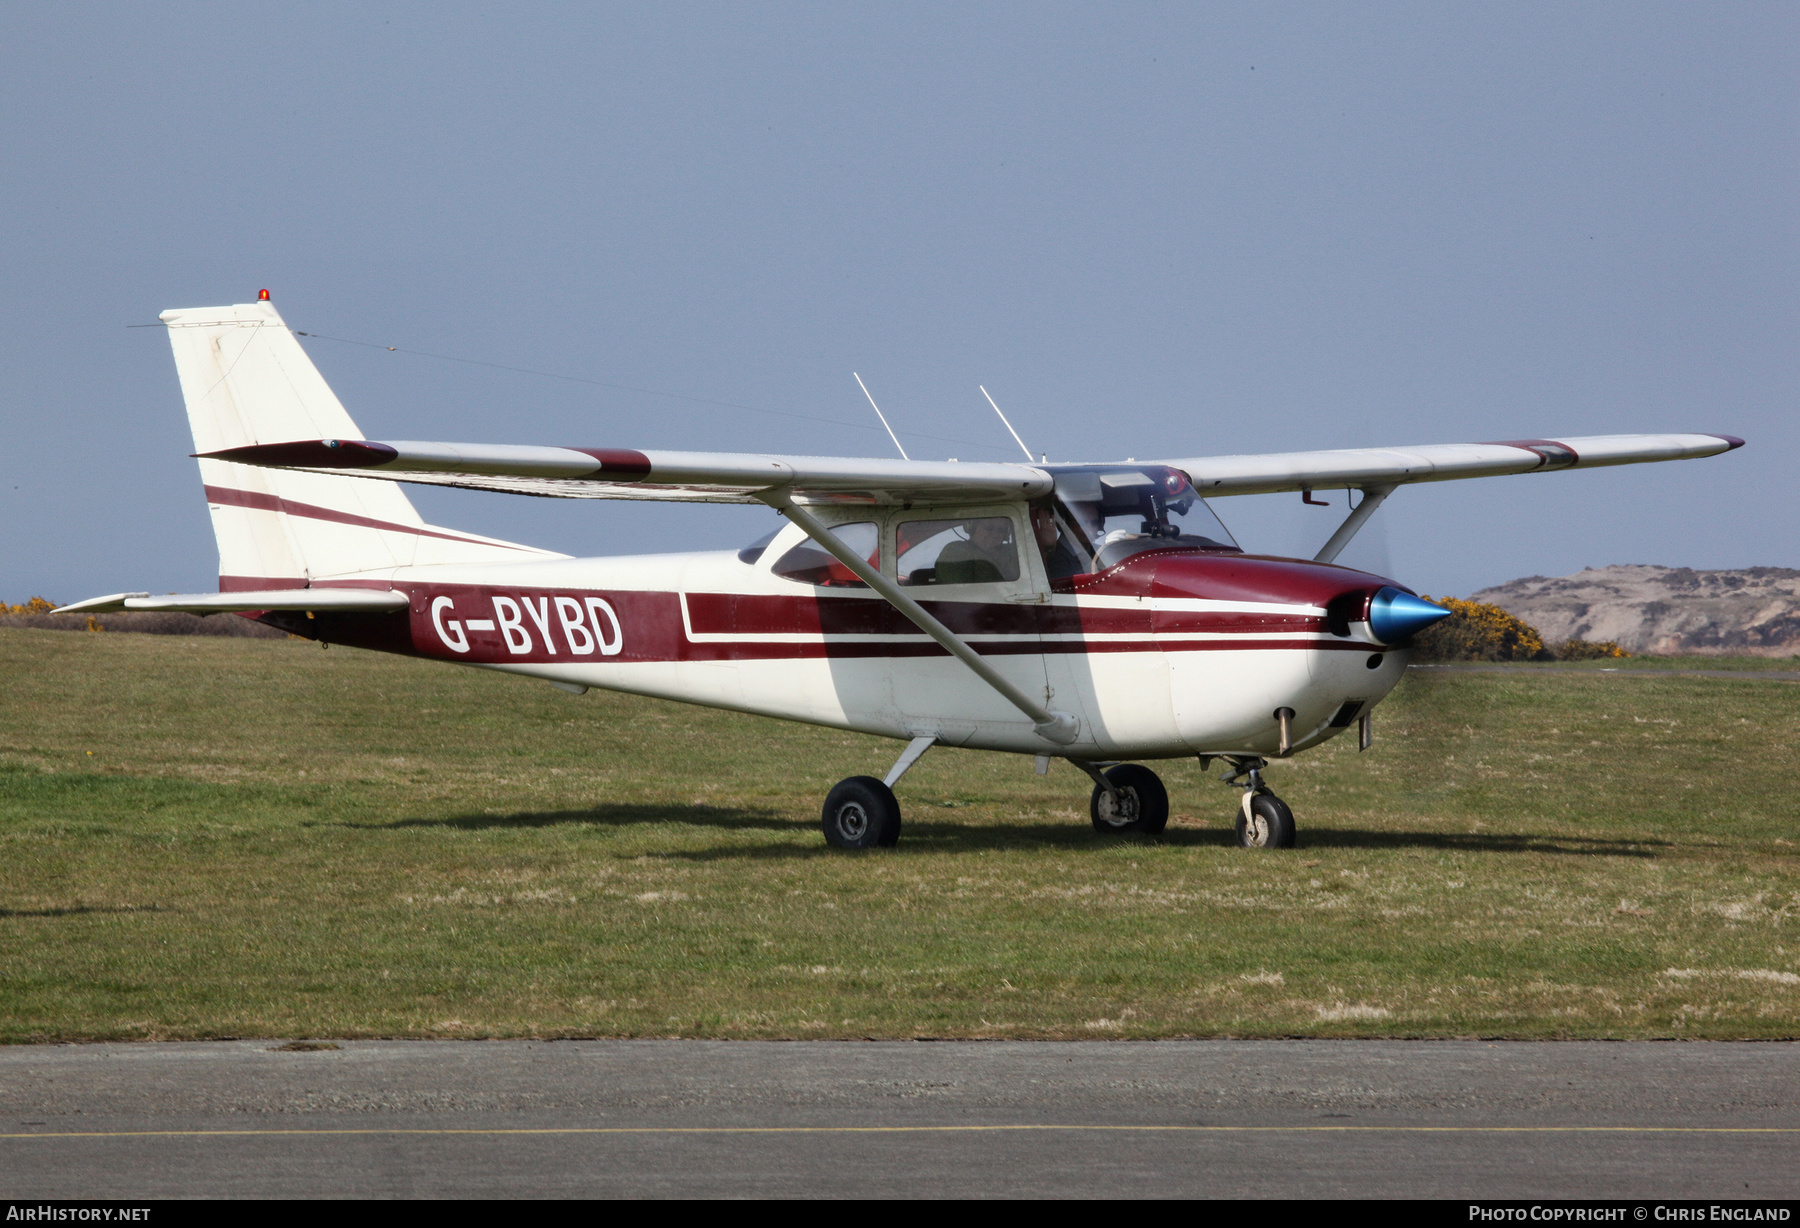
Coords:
1394,615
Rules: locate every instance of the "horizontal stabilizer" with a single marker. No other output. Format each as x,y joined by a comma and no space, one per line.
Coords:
339,600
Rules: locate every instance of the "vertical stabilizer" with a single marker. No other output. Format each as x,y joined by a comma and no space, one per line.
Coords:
247,381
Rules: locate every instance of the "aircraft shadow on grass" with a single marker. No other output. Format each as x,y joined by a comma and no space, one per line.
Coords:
611,814
79,910
940,835
1480,842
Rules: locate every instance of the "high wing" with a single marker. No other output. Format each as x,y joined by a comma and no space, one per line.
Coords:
1388,467
618,473
726,477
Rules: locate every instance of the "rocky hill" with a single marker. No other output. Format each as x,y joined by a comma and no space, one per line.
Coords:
1754,611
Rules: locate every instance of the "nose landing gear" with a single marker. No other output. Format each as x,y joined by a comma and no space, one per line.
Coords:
1264,820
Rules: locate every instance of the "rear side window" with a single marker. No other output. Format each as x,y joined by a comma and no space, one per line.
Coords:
971,550
754,551
807,564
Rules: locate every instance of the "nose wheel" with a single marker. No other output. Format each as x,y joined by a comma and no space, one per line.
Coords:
1264,821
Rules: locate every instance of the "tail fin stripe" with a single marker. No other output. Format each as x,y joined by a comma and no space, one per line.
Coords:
227,497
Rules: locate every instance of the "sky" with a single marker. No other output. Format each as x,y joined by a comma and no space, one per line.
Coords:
1148,230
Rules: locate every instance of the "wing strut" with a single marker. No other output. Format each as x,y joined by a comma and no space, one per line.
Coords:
1053,726
1359,516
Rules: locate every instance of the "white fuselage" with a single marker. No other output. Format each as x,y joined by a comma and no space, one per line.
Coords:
1151,665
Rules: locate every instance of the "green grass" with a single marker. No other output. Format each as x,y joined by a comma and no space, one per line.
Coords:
1734,664
210,837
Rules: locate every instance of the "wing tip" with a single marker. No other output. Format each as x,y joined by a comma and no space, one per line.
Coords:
110,604
309,454
1732,442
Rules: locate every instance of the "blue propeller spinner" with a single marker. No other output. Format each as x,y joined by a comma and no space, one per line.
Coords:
1394,615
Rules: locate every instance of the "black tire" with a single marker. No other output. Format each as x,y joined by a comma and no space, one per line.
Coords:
861,813
1272,825
1143,802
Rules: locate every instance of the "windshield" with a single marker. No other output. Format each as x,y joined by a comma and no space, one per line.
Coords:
1107,513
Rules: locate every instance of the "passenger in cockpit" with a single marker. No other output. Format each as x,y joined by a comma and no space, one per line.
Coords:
986,556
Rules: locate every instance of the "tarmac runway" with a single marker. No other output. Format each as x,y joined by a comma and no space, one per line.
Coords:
1377,1119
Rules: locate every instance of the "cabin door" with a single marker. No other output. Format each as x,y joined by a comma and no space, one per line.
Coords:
977,571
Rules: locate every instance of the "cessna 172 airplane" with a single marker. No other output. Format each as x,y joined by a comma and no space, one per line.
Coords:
1097,613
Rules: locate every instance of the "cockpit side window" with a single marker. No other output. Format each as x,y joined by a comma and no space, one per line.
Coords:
967,550
806,563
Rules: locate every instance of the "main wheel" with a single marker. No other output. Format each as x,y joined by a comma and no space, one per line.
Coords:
1141,806
861,813
1269,825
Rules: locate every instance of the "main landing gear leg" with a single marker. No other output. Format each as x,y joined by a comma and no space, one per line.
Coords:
1127,797
1264,820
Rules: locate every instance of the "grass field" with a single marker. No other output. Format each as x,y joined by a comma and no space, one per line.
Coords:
1750,665
213,837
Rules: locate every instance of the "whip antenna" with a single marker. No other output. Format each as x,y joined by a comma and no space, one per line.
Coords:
879,414
1008,425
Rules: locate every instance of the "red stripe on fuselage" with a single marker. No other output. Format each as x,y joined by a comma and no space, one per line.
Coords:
529,626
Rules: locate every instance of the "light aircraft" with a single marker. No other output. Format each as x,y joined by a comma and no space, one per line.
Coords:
1098,613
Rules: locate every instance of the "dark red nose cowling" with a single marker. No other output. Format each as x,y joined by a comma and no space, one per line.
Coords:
1345,594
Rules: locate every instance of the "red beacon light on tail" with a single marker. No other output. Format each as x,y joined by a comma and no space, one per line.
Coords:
262,296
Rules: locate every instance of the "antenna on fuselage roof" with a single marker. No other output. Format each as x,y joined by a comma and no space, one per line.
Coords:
1008,425
879,414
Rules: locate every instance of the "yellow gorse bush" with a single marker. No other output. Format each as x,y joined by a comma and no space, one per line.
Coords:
41,605
1476,631
1588,650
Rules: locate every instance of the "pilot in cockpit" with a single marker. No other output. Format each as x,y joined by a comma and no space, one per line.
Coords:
1059,559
